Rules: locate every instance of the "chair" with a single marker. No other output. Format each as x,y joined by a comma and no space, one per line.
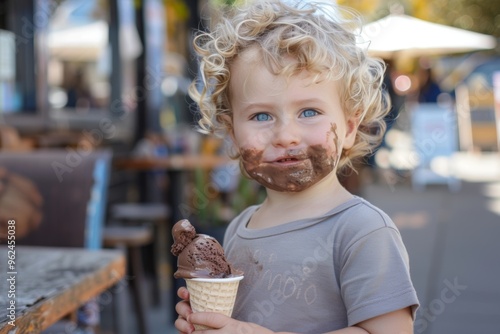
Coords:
131,239
143,214
73,187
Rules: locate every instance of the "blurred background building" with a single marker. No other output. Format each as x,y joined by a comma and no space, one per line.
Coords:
67,64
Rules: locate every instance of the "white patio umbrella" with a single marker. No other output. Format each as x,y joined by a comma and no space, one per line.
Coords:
85,42
403,35
88,42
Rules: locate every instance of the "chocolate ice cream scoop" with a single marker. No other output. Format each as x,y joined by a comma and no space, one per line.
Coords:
198,255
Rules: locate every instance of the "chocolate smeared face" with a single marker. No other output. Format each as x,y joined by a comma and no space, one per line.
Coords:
289,130
297,170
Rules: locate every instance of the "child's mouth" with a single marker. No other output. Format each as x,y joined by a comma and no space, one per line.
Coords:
287,160
296,163
292,156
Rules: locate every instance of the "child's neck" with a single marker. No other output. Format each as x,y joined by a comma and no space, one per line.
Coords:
280,207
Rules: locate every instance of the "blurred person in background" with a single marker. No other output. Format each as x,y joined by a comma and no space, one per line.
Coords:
77,90
20,201
428,90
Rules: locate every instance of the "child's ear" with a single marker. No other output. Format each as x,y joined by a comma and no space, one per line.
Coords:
350,134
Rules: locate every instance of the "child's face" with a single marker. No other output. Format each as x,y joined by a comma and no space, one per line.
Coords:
290,133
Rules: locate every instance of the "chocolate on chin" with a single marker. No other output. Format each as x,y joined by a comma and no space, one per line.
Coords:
198,255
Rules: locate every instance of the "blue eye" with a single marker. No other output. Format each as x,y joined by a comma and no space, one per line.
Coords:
309,113
261,117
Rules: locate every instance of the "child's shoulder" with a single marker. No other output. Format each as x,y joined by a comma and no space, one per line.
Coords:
367,213
363,218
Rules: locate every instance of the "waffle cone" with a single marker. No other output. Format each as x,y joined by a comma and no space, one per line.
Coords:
213,295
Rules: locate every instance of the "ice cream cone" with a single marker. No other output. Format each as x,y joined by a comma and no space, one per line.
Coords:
213,295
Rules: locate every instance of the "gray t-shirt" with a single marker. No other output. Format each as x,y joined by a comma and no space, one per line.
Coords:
321,274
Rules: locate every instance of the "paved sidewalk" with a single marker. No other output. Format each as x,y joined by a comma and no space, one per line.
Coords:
453,242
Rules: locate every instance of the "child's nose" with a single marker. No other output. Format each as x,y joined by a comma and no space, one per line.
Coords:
286,133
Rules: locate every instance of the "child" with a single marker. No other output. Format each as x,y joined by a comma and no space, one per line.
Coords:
301,101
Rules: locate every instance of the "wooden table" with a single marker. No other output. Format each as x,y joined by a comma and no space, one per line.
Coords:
51,282
174,166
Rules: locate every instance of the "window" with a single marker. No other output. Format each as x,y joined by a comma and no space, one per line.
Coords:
79,62
18,69
73,63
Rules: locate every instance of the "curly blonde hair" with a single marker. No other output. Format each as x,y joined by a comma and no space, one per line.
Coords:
321,40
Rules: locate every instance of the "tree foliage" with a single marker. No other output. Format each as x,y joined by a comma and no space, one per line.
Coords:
476,15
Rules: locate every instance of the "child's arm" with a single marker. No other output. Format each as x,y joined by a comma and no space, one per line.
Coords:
225,325
397,322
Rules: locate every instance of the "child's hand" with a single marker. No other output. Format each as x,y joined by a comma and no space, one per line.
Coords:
184,310
223,324
219,322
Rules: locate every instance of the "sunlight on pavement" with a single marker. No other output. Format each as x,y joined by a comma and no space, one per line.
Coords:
494,206
473,167
484,167
492,190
